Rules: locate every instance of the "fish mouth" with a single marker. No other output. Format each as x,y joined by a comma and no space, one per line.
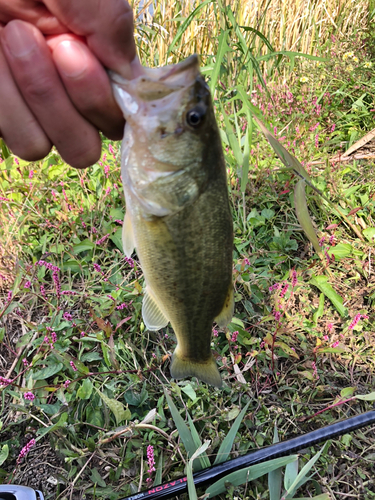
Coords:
156,83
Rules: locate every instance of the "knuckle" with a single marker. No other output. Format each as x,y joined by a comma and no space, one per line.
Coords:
38,89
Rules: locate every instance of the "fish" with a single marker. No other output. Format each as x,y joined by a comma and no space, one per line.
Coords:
178,216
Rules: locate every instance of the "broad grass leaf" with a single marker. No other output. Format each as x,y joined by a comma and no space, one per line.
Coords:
291,473
4,453
303,215
322,496
159,470
189,470
203,458
183,431
117,408
96,478
302,476
227,443
47,372
275,476
248,474
222,49
321,282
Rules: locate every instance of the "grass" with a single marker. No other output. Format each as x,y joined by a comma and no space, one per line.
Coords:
70,308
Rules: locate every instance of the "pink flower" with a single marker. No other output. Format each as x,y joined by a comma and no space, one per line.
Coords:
29,395
330,326
25,362
356,319
110,149
5,381
322,240
66,383
284,290
74,368
234,336
215,333
277,315
294,278
31,174
27,284
25,450
333,127
150,459
335,344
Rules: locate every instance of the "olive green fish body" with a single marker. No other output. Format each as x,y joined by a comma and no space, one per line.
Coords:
179,220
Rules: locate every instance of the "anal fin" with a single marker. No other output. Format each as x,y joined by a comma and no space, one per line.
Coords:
153,316
226,314
128,242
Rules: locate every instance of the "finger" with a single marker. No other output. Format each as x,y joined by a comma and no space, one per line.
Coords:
108,28
87,84
19,128
33,69
33,12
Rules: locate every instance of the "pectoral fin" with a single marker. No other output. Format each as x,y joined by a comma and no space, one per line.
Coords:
153,317
226,314
128,242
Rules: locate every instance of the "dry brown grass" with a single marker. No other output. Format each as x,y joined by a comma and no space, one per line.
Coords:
297,25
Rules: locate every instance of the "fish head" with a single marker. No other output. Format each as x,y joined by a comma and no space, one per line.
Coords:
167,111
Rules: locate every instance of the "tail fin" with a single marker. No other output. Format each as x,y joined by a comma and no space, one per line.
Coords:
206,371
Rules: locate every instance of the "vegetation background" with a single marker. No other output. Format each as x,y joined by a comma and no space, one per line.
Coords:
83,411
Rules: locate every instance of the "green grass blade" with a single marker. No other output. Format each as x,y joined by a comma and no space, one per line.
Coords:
232,138
303,215
227,443
321,282
185,24
159,471
183,431
248,474
189,470
223,48
275,476
291,473
301,477
203,458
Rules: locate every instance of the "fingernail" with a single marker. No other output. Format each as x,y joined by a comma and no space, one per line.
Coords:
70,58
19,38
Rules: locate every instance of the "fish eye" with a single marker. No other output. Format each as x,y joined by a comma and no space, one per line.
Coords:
194,117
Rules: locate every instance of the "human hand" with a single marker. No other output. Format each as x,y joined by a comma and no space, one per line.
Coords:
54,89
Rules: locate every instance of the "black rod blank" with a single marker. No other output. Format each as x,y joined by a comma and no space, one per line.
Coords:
216,472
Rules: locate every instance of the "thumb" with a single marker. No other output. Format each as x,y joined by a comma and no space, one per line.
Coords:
107,26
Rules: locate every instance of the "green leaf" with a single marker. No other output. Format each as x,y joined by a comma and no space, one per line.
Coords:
367,397
223,48
85,389
248,474
369,234
320,310
340,251
347,392
4,453
96,478
203,458
227,443
183,431
117,408
61,423
303,215
291,473
301,477
275,476
116,238
321,282
159,470
47,372
83,246
189,391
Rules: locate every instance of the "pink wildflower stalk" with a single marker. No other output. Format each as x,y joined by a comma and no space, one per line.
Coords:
25,450
234,336
122,306
29,396
284,290
5,381
74,368
356,319
67,383
102,240
294,278
315,370
150,461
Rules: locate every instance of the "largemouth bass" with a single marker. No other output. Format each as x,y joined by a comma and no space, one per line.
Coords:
178,216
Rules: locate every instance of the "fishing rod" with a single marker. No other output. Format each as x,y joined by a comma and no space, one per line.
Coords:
211,474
